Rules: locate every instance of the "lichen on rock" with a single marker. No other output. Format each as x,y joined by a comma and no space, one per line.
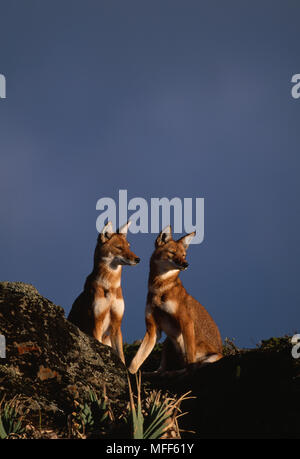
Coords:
50,362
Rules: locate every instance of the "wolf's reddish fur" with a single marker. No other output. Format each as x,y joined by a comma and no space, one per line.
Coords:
99,309
188,325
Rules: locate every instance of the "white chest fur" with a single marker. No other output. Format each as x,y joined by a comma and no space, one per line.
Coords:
101,305
117,307
170,307
108,304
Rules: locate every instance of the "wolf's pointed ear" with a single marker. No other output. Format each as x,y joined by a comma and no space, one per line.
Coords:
186,240
106,233
164,236
124,228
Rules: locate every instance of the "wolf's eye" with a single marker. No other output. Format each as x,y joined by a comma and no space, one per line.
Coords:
119,247
172,252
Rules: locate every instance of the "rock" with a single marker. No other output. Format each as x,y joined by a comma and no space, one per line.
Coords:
49,361
254,393
50,364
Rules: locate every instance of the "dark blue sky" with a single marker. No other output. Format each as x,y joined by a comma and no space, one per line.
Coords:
163,98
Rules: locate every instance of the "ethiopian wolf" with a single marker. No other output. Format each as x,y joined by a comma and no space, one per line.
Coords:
99,309
190,330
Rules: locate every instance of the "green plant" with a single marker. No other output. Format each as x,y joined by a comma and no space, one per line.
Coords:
230,348
93,414
136,413
10,420
274,344
159,415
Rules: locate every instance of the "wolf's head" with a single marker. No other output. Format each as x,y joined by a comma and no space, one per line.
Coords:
169,254
113,248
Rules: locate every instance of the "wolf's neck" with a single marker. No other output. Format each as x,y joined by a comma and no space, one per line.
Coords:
162,281
107,277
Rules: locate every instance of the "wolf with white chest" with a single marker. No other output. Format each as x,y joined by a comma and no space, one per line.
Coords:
190,329
98,310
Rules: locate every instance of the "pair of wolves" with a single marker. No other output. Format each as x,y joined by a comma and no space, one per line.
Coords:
192,335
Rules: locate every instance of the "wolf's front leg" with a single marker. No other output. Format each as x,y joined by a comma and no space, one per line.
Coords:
188,333
116,316
117,342
147,345
116,333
